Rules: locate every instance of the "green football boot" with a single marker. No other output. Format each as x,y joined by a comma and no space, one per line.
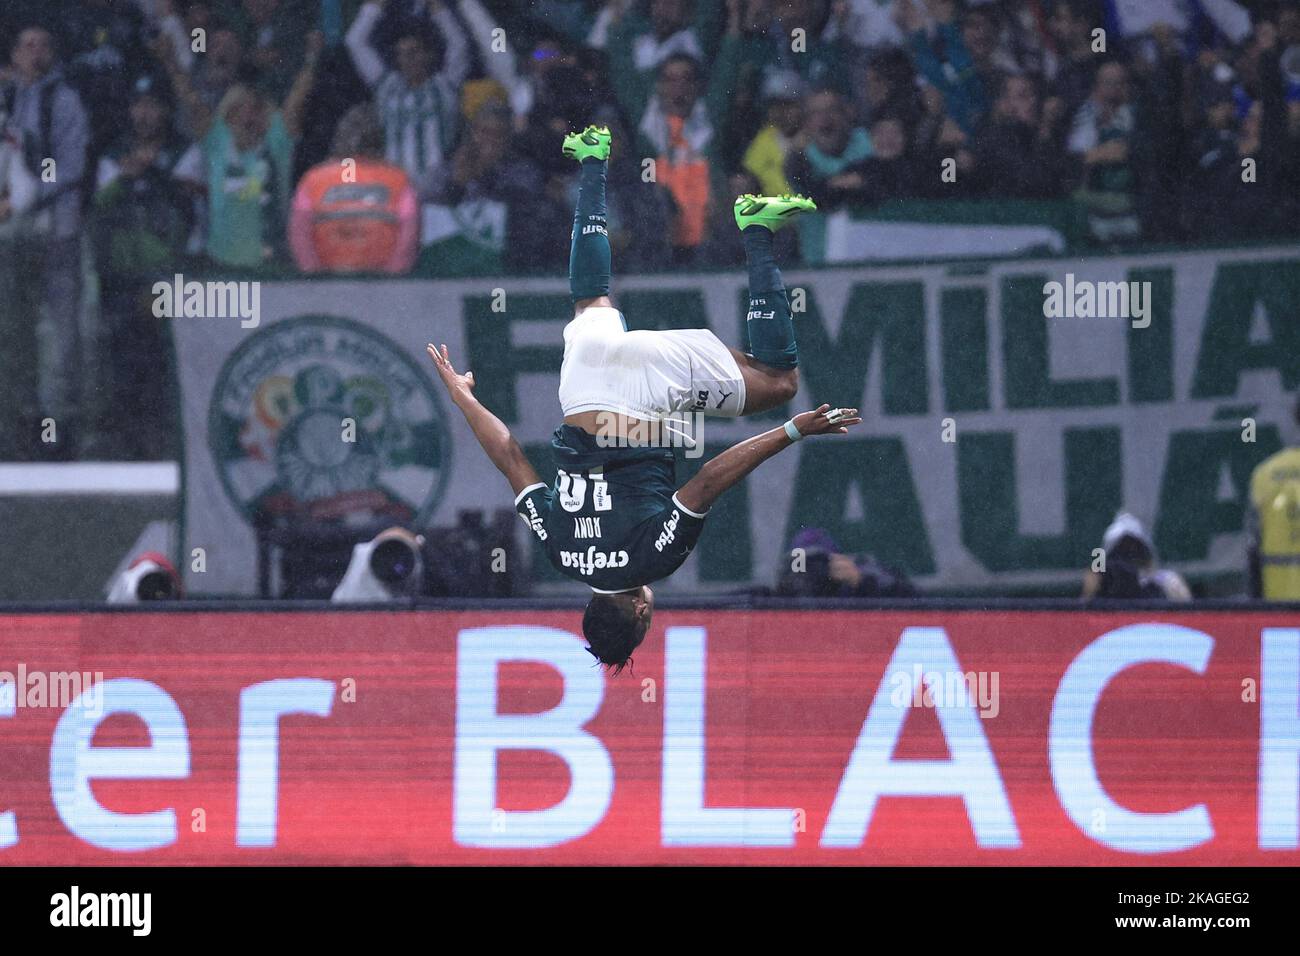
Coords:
593,142
772,212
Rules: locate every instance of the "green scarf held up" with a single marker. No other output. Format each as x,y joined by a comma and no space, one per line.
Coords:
825,165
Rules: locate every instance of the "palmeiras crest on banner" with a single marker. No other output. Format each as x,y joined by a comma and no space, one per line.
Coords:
321,418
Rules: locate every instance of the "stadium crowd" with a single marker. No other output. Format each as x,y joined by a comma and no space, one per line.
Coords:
144,136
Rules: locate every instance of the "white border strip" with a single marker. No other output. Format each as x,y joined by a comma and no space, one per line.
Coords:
90,478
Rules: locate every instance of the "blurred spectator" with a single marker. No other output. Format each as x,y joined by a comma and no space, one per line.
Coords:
960,60
1129,568
247,158
1072,67
766,155
819,569
683,131
274,39
19,297
499,58
640,218
723,247
576,21
144,214
106,52
1100,139
176,20
831,168
1220,202
889,88
202,86
868,24
487,166
354,212
638,46
46,115
821,56
564,91
418,98
1014,155
1273,525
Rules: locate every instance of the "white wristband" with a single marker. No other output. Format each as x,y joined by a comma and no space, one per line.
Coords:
792,432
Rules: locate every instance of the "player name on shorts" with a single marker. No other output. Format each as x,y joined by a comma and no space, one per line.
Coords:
590,561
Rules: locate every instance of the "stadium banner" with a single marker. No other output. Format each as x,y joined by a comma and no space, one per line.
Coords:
998,442
929,230
743,737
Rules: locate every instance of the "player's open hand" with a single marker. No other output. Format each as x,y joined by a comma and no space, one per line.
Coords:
460,387
827,421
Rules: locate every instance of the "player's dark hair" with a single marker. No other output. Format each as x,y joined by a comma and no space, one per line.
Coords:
612,630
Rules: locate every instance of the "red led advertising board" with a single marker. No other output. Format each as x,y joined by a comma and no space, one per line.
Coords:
742,737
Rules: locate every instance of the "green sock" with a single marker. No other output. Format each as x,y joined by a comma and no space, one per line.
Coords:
770,327
589,255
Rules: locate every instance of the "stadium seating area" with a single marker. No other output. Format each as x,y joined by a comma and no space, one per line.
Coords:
191,134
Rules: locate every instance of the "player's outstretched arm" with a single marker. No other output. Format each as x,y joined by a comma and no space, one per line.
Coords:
490,431
736,462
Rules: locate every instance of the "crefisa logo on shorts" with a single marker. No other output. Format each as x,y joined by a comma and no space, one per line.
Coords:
323,416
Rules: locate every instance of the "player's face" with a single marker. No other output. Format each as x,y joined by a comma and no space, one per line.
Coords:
645,608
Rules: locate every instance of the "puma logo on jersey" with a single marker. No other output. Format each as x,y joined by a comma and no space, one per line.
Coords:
725,396
669,534
586,527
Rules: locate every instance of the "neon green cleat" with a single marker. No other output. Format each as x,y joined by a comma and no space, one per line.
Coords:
592,143
772,212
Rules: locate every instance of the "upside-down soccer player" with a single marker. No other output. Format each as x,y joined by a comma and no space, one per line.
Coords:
615,519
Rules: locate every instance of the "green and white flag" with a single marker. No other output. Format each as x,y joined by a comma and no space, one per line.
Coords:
912,231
